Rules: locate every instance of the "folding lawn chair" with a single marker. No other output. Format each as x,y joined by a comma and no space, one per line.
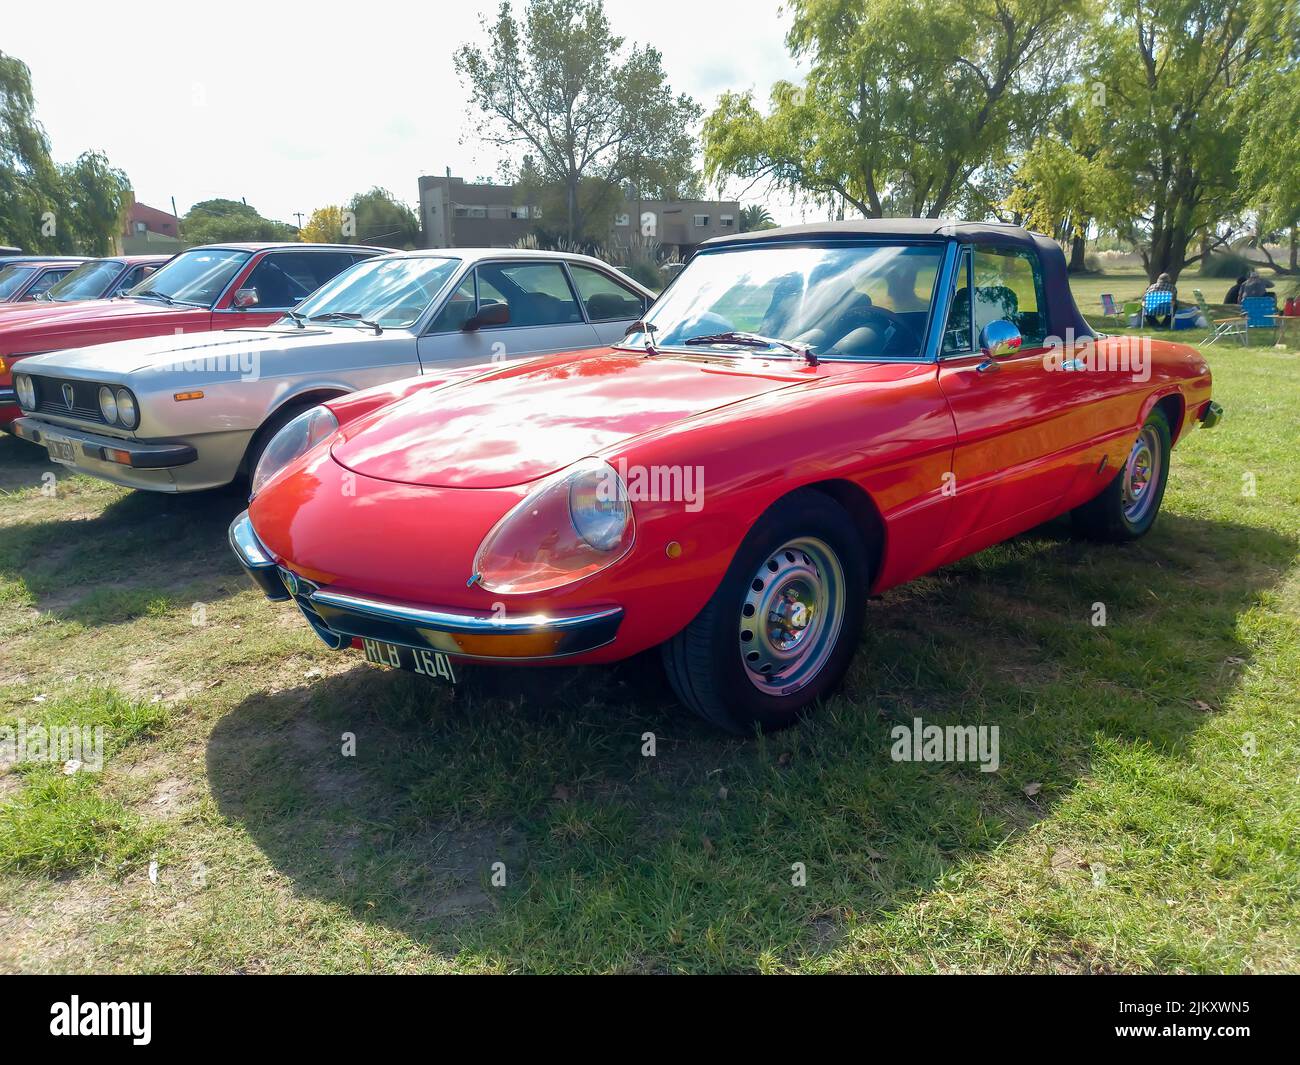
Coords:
1222,327
1108,308
1260,312
1158,304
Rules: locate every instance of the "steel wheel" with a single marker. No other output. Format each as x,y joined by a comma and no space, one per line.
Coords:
1141,473
792,615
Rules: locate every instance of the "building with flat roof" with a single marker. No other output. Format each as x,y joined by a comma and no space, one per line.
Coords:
455,213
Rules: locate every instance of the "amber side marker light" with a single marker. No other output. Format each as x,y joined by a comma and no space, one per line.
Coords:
181,397
3,366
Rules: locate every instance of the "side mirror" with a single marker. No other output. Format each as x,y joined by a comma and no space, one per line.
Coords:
244,298
492,314
1000,338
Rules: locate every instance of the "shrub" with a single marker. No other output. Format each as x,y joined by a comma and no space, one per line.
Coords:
1226,264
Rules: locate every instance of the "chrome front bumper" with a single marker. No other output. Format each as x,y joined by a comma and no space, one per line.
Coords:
339,617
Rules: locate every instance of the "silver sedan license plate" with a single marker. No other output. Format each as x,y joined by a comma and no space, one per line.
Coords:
61,449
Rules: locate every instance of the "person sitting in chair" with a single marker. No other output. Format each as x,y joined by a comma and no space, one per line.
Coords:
1234,293
1164,283
1255,286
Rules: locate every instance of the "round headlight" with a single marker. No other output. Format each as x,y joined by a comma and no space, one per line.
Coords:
297,437
572,525
126,412
107,404
26,391
598,507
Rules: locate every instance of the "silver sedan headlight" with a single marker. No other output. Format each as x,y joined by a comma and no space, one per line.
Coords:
108,404
26,391
127,414
297,438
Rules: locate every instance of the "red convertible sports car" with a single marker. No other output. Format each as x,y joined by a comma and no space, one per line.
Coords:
201,289
805,417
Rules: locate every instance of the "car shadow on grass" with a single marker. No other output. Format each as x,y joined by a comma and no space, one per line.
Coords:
520,823
141,548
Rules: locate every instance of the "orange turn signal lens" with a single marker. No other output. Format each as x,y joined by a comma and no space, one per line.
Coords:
3,366
181,397
113,454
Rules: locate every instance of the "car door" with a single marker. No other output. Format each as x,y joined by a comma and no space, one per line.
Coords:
282,278
610,305
545,316
43,283
1017,436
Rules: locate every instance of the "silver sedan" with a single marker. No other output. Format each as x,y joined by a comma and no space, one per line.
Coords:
183,413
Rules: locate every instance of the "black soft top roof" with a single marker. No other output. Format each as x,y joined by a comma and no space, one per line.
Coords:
1061,309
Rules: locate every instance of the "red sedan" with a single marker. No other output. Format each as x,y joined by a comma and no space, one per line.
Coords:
807,416
216,287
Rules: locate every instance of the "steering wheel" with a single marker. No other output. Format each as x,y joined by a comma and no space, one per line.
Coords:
902,339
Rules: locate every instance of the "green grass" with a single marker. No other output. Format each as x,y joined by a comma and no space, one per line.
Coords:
1143,818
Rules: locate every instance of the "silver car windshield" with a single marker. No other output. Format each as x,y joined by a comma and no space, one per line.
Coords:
87,282
847,301
391,293
194,277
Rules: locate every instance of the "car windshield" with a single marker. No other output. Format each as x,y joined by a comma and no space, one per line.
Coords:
391,293
12,278
196,277
87,282
850,301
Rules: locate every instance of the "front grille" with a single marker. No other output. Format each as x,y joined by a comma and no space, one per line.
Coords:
85,398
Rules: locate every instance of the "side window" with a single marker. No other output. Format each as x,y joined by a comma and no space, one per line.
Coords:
457,310
45,282
132,278
605,299
1009,284
285,278
957,334
537,293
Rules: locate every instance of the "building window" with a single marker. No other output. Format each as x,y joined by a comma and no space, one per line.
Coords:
460,212
727,220
141,227
622,220
701,220
519,213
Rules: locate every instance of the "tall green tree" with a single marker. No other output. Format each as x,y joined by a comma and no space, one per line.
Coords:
220,220
29,181
94,195
559,85
1269,163
908,104
1174,74
377,217
755,216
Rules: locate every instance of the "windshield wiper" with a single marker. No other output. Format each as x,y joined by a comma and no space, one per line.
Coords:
753,340
157,295
347,316
298,319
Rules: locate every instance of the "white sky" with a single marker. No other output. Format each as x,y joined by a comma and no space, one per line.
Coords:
293,106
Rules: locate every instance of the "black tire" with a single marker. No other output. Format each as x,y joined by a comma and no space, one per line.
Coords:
704,661
1110,516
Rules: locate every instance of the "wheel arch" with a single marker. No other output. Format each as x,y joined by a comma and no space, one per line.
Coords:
309,397
866,515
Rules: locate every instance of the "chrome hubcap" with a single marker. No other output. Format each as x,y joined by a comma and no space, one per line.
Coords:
1141,474
791,616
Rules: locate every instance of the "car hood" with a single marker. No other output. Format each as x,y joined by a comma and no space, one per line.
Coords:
39,312
517,424
229,346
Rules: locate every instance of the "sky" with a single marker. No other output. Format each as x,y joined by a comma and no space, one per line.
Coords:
295,106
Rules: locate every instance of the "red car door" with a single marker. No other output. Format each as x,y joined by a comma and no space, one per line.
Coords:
1016,416
282,278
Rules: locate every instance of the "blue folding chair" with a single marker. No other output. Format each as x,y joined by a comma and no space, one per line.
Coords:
1157,305
1260,312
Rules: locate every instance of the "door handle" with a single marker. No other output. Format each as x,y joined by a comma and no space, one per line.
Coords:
988,366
